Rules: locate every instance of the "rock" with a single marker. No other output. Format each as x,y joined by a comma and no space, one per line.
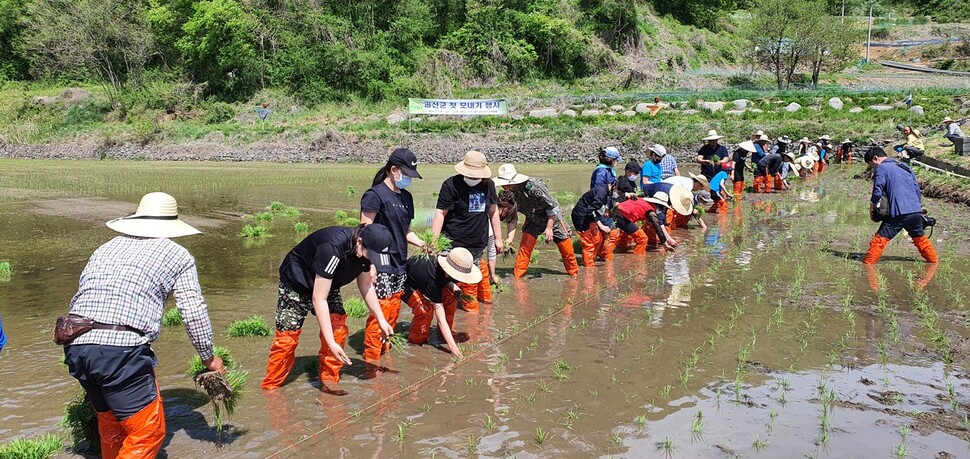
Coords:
735,112
569,112
45,100
836,103
617,108
712,106
756,110
966,104
591,112
610,113
741,104
74,95
629,113
518,117
856,110
916,110
691,111
294,109
395,118
792,107
880,108
417,119
542,113
641,108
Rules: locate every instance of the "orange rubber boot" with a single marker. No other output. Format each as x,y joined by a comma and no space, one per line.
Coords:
679,221
591,240
652,238
112,434
329,365
739,187
373,347
719,207
146,432
282,356
876,247
640,238
485,286
469,296
522,259
758,181
568,256
926,249
609,244
451,306
423,312
779,184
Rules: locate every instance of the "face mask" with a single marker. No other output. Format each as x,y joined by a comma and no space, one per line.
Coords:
633,179
472,182
403,182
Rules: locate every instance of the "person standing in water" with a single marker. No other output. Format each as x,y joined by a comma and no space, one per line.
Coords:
605,172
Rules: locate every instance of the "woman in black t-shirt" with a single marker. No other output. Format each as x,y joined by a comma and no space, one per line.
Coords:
389,203
431,281
310,279
467,206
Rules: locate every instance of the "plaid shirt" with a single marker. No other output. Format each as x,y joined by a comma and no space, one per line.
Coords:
667,166
126,282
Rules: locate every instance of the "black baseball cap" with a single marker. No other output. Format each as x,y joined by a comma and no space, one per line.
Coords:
377,240
405,160
632,166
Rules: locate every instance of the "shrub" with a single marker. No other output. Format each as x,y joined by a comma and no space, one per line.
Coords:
276,206
291,212
172,317
880,33
253,326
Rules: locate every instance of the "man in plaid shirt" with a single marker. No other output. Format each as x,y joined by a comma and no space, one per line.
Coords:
123,289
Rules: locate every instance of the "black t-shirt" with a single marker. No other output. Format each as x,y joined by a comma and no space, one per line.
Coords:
395,211
325,253
425,276
740,158
467,220
706,152
592,206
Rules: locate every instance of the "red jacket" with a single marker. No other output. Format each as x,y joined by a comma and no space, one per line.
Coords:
635,210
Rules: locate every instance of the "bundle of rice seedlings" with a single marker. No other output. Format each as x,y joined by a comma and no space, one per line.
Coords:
398,342
441,244
81,420
252,231
275,206
291,212
355,308
225,392
41,447
253,326
172,317
301,227
196,367
5,271
264,217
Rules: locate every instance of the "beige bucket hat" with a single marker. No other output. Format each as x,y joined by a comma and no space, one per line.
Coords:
703,180
507,175
825,137
460,266
680,199
712,135
474,165
156,217
806,162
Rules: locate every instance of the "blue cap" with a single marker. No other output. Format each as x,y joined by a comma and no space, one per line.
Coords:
612,153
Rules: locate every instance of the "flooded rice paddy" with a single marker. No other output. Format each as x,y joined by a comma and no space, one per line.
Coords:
762,337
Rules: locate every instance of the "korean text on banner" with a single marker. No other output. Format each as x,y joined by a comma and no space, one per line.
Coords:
458,107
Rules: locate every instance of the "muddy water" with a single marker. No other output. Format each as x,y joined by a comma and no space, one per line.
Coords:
761,337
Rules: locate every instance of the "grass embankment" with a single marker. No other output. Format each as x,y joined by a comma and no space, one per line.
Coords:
170,114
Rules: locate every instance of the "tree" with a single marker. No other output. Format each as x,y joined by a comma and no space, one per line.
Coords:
105,39
780,30
829,45
12,64
219,48
701,13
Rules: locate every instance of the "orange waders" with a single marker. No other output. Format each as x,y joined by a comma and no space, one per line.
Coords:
779,183
609,244
528,243
474,293
720,206
329,365
373,347
592,242
739,187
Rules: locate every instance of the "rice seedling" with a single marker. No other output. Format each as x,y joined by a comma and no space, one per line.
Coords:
275,206
541,436
455,399
440,244
543,386
351,191
292,212
488,423
355,308
301,227
253,326
616,439
665,391
32,448
398,342
697,424
559,374
251,231
640,421
82,422
901,450
668,445
574,412
426,407
6,271
472,445
340,215
229,394
172,317
356,414
264,217
402,428
759,444
195,363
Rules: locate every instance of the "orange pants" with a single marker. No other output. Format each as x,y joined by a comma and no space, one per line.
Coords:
282,354
819,167
761,184
621,239
373,346
720,206
609,244
475,293
524,255
141,435
652,237
779,183
592,242
739,187
423,311
878,244
678,221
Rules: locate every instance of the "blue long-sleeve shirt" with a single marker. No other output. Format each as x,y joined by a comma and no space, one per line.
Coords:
896,181
602,175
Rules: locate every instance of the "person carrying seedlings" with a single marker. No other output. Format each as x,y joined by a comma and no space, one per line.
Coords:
896,202
913,148
719,190
543,216
740,160
467,205
591,218
389,203
117,314
311,276
844,155
711,154
605,172
433,293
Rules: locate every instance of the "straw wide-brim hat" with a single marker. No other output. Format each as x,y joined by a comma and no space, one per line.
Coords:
947,120
790,155
460,266
825,137
784,139
474,165
507,175
680,199
804,140
806,162
712,135
846,141
703,180
156,217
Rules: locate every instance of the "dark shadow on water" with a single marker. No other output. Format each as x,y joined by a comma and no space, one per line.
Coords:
857,256
182,413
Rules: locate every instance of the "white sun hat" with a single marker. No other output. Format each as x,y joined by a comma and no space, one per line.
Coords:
460,266
747,146
507,175
659,150
712,135
156,217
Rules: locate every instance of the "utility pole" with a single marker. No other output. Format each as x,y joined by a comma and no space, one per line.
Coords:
869,32
843,12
